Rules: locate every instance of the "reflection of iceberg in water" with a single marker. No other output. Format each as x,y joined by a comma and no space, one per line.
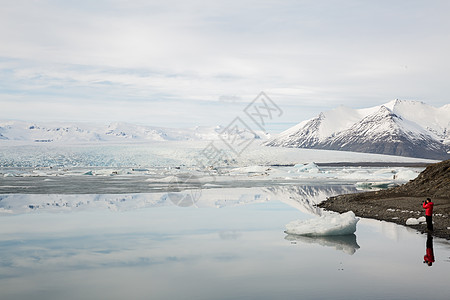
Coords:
345,243
301,197
329,229
306,197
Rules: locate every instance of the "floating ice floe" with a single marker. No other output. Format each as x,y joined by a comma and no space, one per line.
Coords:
5,211
308,168
367,185
167,179
327,224
106,172
414,221
250,169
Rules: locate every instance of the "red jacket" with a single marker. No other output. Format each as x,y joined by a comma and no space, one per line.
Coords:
429,257
428,208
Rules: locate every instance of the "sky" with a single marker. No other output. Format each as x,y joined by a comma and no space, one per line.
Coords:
189,63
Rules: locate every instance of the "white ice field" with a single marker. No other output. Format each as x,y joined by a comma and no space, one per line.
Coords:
171,153
173,165
153,173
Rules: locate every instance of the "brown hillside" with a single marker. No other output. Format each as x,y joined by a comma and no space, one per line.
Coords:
433,182
403,202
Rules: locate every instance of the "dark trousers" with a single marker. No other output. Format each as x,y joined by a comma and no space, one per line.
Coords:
429,222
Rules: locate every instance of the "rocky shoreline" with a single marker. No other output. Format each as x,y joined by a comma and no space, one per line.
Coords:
400,203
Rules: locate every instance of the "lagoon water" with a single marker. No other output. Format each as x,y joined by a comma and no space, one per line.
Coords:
230,244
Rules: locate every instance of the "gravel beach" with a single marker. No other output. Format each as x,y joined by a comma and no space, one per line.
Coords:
400,203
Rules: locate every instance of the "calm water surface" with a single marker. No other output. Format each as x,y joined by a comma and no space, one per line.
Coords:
235,250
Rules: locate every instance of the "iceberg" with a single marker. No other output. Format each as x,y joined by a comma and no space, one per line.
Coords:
405,175
308,168
327,224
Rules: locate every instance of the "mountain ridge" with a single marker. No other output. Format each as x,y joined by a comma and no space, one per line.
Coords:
116,132
399,127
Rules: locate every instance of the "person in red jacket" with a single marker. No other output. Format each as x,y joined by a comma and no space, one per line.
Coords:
429,256
428,205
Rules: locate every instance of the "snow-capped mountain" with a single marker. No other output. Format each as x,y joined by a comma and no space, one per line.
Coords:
405,128
82,132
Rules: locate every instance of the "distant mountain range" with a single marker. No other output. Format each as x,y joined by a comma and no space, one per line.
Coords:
404,128
46,132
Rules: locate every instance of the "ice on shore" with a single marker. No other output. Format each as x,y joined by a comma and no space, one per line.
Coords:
327,224
414,221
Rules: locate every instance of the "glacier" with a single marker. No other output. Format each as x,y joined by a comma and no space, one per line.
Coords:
23,154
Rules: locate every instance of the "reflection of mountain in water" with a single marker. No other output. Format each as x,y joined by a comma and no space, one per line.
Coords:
24,203
345,243
305,197
301,197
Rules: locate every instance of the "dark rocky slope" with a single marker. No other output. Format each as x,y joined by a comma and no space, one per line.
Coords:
405,201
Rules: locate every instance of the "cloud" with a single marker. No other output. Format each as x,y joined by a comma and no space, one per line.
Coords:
304,52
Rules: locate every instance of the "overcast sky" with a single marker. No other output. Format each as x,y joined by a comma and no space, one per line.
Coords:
186,63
